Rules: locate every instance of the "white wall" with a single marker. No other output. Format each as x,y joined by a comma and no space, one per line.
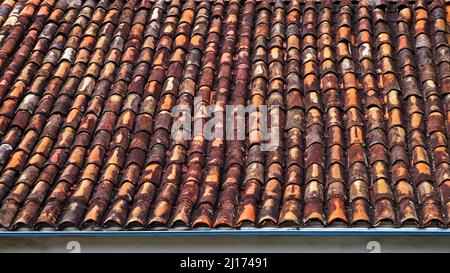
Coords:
228,244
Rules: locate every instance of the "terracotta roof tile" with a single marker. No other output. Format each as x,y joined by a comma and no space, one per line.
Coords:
358,97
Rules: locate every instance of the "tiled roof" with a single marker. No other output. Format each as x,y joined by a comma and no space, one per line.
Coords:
87,91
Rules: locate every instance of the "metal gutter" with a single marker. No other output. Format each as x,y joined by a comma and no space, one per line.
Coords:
356,231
